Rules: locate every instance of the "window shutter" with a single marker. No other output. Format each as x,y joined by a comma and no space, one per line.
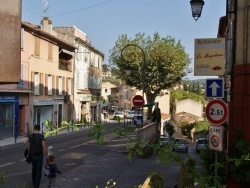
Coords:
37,47
67,85
50,51
41,86
57,85
32,85
64,91
46,84
53,85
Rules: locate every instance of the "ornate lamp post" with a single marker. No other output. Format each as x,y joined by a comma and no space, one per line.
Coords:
196,6
131,59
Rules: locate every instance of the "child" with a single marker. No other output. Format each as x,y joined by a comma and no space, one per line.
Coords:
51,170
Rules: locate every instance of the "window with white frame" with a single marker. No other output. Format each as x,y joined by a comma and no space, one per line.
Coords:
50,85
60,86
37,84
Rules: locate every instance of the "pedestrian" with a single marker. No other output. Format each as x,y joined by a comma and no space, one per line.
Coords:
36,144
157,118
51,171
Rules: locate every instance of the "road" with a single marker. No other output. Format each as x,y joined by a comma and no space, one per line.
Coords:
76,152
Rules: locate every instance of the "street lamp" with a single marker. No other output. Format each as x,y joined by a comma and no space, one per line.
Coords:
132,58
196,6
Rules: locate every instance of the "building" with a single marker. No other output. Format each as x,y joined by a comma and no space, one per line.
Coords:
50,75
88,74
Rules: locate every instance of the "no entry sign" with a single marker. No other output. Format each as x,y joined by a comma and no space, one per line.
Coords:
217,111
138,101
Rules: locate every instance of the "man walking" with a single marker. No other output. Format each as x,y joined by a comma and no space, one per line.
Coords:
38,148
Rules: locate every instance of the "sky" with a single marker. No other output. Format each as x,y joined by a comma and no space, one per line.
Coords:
105,20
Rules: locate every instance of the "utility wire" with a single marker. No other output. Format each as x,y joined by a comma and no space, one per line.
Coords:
82,9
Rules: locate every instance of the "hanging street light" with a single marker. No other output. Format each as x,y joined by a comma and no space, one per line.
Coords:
196,6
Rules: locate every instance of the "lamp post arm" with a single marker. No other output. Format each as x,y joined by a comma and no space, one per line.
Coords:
133,59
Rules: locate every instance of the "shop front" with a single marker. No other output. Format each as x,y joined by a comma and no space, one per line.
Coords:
9,114
48,110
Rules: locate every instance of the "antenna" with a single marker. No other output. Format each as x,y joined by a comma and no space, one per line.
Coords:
45,6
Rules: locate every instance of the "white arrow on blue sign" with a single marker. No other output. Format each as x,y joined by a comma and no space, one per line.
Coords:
137,120
215,88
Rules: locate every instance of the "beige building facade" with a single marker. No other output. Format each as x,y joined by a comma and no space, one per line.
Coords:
50,77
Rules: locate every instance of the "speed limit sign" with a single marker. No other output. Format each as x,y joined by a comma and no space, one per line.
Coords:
217,111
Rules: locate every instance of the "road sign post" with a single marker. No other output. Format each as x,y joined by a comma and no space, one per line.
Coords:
217,111
138,101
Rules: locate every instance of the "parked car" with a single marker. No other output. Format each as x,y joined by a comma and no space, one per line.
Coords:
164,140
125,113
118,114
130,114
180,144
201,143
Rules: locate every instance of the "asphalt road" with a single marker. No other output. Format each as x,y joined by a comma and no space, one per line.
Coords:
85,164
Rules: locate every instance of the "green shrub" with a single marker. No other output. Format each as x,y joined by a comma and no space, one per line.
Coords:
187,174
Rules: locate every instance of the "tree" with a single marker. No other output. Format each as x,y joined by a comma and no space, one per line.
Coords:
169,129
166,62
105,67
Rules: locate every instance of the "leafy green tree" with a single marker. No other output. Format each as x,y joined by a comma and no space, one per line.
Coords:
169,129
157,62
105,67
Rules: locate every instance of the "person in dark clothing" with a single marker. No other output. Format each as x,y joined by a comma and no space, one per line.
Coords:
51,170
37,147
157,118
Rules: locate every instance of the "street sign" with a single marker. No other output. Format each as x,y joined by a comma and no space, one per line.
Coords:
216,111
215,88
137,120
138,101
216,137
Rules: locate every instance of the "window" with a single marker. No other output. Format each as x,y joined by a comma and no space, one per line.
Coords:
37,84
50,84
79,53
50,51
60,88
37,47
69,86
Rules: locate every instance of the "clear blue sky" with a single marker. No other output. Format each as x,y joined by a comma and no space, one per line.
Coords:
104,20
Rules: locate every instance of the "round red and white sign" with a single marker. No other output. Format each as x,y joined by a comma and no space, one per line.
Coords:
138,101
217,111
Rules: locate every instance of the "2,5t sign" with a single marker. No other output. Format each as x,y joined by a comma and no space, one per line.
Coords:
217,111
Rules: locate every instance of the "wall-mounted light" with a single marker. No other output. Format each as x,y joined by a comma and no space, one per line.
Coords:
196,6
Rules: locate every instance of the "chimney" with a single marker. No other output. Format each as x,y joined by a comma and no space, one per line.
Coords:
46,25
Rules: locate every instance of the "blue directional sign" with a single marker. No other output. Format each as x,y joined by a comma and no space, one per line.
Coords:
137,120
215,88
